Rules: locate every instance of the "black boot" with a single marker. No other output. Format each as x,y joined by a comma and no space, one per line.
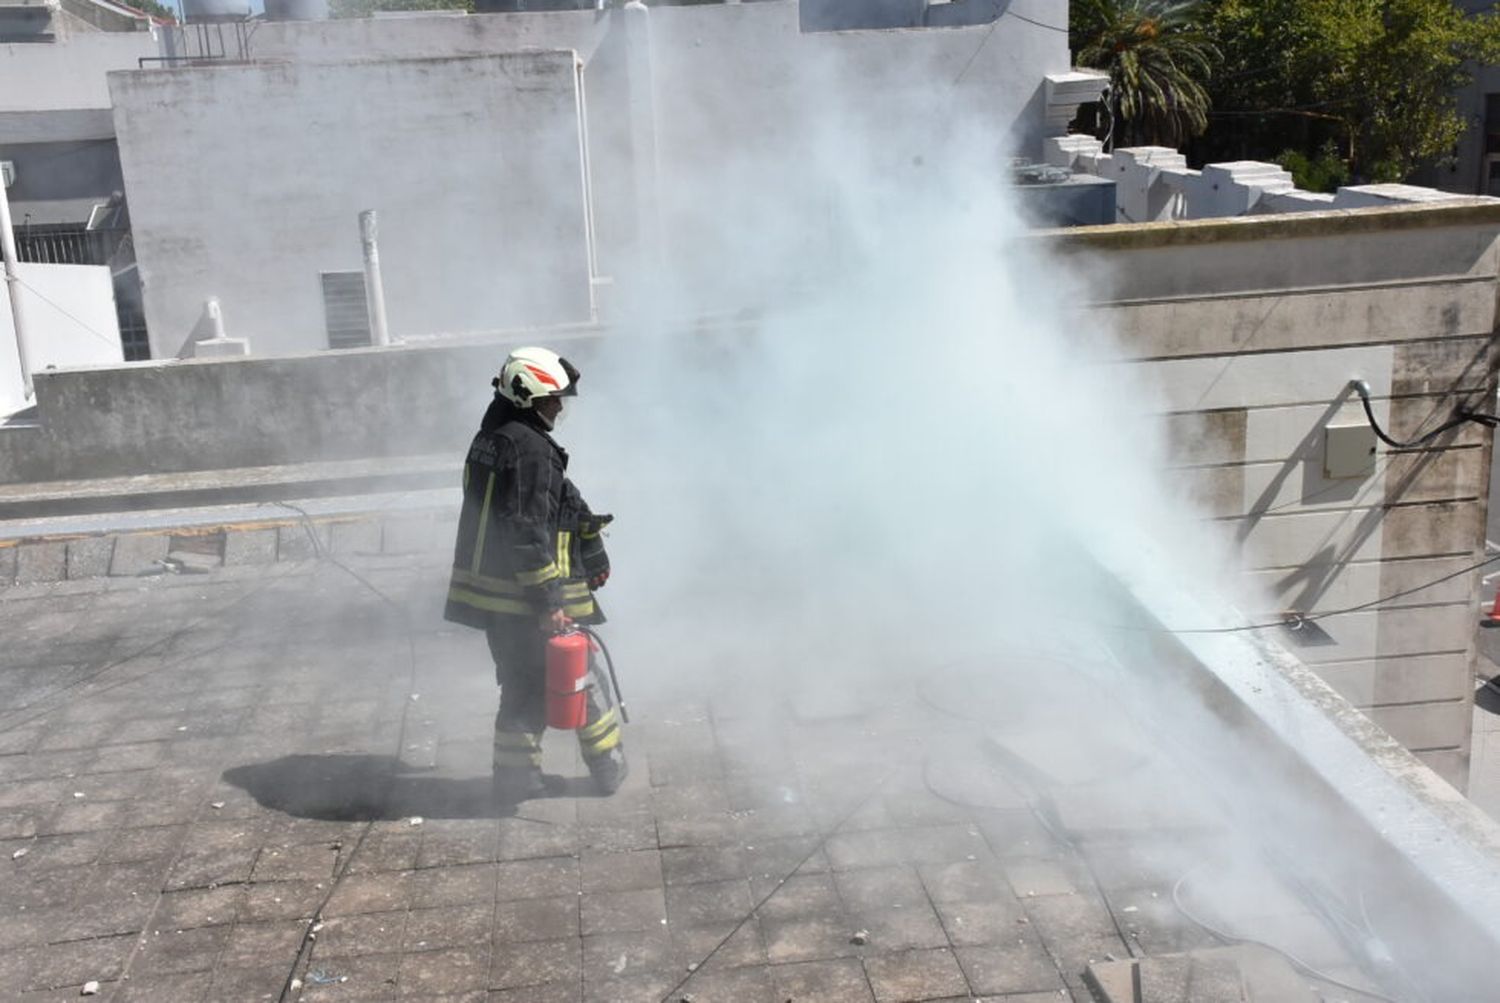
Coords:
514,784
609,770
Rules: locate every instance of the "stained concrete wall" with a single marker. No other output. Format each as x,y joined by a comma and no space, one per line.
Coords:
1252,328
685,109
70,316
217,414
246,182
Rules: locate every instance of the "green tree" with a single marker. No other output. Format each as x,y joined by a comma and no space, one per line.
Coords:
155,9
1377,77
1158,60
1324,172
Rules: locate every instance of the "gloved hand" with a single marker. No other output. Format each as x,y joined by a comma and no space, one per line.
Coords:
555,622
591,549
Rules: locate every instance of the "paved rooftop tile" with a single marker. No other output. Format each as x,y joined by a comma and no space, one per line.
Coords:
240,786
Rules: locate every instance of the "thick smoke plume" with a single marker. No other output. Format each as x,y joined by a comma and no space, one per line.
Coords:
892,449
891,442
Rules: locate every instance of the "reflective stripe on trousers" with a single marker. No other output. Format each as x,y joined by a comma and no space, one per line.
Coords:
601,734
517,749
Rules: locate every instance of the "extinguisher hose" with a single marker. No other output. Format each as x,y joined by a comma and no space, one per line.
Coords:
609,663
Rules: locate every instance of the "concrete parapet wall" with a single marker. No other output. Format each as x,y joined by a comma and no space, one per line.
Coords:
1251,329
199,548
1154,184
214,414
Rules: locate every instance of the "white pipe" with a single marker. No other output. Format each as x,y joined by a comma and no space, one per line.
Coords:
13,287
374,289
215,316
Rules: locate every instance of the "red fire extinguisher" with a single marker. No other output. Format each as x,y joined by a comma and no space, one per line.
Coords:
567,679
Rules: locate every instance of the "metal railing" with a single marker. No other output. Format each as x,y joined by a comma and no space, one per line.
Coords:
68,246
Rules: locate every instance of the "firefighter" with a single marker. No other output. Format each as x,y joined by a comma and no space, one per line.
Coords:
528,558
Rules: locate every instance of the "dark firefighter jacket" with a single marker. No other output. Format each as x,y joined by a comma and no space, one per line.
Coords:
522,528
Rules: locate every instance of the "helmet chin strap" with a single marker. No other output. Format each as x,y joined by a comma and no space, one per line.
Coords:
548,423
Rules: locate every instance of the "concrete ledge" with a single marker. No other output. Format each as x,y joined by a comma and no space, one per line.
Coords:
1338,222
90,557
1319,782
229,537
43,561
216,487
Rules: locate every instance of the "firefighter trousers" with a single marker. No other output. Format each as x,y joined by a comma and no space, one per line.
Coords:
520,653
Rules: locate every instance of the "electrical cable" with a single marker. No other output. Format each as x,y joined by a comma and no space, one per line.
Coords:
1295,961
12,723
1040,24
614,681
977,50
1461,416
986,39
1043,807
304,947
1044,810
1294,621
694,969
1297,620
1381,464
112,342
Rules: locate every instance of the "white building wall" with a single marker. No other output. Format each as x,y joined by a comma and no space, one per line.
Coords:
246,183
70,316
674,139
53,92
1252,329
69,74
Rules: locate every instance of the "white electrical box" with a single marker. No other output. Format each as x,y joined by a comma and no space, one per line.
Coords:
7,172
1348,450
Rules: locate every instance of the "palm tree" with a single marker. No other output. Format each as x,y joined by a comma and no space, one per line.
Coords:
1157,60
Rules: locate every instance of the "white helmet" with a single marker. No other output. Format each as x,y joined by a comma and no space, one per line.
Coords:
530,373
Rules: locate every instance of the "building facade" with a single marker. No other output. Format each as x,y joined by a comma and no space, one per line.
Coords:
57,141
529,164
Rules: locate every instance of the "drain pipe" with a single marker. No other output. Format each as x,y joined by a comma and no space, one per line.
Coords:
13,287
374,290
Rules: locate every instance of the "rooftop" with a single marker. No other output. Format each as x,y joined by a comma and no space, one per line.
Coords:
214,784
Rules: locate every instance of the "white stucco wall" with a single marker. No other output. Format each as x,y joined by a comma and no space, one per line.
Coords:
68,75
76,328
1252,329
56,92
730,93
246,182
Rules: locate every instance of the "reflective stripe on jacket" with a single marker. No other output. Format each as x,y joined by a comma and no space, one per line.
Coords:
518,551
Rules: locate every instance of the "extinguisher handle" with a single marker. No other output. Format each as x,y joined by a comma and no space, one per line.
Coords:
609,663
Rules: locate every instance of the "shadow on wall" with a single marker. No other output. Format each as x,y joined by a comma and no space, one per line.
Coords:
1487,697
354,788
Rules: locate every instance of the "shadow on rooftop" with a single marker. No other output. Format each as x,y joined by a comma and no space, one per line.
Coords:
1487,697
353,788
